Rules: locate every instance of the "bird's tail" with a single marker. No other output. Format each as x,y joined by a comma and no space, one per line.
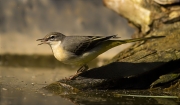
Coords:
113,43
106,45
139,39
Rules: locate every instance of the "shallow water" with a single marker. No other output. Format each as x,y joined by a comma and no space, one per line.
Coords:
23,86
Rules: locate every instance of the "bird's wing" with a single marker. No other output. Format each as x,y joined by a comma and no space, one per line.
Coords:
80,44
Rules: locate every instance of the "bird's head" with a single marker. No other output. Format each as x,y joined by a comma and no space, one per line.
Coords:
52,38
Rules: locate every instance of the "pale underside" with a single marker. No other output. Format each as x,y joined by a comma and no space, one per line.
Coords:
67,57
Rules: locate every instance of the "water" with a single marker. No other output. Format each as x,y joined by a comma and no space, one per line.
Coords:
23,86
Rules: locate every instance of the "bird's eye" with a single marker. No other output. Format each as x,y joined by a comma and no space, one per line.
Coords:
52,37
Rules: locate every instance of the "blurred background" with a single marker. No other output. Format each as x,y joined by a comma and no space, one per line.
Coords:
24,21
26,67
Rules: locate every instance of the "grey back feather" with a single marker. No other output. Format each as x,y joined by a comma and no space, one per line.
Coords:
81,44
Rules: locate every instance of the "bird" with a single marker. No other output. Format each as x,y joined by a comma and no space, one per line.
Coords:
79,50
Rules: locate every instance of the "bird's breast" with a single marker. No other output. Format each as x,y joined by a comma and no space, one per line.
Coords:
61,54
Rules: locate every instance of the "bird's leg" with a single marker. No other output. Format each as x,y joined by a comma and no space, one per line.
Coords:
79,71
82,69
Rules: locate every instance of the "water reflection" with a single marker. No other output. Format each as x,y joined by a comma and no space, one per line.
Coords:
23,86
133,97
14,96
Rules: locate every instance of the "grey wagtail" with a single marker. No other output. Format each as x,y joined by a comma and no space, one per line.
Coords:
79,50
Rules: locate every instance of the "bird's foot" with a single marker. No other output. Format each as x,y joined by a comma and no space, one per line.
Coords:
82,69
79,71
73,77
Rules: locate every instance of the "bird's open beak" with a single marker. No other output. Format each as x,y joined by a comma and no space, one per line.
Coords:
43,41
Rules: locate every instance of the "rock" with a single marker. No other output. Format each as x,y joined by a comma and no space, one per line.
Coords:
143,65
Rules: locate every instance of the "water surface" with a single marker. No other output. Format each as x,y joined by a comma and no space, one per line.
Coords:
23,86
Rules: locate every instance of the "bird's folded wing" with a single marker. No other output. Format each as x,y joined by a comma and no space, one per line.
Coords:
81,44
